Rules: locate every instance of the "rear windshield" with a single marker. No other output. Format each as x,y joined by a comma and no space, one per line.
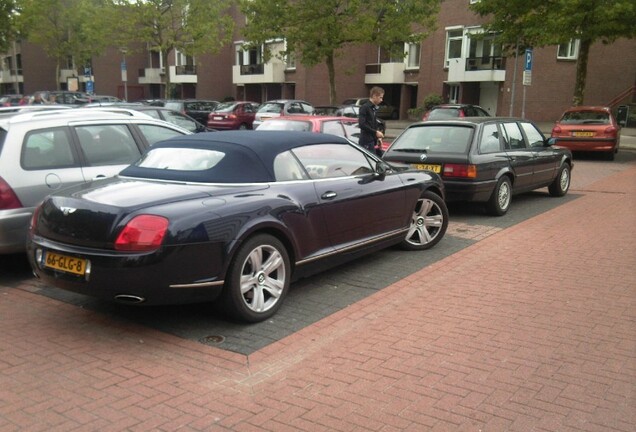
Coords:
225,107
271,108
435,138
585,117
443,113
288,125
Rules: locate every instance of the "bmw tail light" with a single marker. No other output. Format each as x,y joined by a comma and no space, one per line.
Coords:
142,233
8,198
460,171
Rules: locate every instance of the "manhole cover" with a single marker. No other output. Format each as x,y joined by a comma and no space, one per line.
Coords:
212,340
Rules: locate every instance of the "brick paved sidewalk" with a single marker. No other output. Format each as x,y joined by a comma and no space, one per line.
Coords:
532,328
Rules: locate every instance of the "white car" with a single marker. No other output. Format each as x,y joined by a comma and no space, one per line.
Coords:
42,152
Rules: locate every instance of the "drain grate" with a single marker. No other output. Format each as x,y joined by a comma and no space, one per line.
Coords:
212,340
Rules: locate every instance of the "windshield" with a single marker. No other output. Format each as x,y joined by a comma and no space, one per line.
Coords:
435,138
271,108
288,125
443,113
585,117
225,107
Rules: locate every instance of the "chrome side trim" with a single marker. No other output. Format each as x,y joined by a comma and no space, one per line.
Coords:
197,285
354,246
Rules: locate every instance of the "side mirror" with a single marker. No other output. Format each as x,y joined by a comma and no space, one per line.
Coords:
380,169
550,141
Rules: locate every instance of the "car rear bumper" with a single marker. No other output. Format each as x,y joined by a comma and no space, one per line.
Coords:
13,230
591,145
167,276
468,191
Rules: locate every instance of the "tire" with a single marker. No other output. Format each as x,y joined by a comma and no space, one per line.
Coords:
428,223
243,126
561,183
499,201
258,279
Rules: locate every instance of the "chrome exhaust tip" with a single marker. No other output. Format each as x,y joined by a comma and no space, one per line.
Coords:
129,299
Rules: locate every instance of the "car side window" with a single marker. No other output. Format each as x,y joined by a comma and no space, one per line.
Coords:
107,144
180,120
155,133
47,148
287,168
294,108
333,160
535,137
513,136
489,142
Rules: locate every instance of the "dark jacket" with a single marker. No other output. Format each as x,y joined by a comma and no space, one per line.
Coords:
368,125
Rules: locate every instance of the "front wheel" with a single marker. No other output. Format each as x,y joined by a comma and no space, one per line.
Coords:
258,279
499,201
428,222
561,183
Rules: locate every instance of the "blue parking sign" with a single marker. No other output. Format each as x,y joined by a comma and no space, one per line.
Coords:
89,87
528,59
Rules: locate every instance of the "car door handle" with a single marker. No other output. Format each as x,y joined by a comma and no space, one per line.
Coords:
99,176
329,195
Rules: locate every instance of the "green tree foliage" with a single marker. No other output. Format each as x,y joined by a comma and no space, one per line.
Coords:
7,25
537,23
316,31
189,26
65,29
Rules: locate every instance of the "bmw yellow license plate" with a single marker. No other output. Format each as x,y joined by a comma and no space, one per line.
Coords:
435,168
583,134
65,263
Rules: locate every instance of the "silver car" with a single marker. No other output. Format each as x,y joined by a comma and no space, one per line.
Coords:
281,107
42,152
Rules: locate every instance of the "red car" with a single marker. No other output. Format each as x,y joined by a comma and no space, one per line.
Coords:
341,126
233,115
588,129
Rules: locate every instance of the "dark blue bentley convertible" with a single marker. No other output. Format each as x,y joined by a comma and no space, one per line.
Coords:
235,215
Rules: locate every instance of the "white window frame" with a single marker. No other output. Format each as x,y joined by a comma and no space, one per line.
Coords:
572,50
413,55
448,42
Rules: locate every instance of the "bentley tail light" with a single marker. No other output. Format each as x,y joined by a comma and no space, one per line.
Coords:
460,170
142,233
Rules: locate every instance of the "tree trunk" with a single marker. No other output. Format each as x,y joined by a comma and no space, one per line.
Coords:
332,78
166,64
581,73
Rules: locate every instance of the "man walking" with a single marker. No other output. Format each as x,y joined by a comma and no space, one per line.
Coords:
369,132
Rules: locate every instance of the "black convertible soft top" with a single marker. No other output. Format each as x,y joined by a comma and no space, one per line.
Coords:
249,155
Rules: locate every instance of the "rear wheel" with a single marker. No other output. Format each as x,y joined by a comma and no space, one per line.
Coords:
258,279
499,201
243,126
561,183
428,222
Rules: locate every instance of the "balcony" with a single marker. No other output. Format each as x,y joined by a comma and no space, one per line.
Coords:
260,73
11,76
477,69
151,75
384,73
183,74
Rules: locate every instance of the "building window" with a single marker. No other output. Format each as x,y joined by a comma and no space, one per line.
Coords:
568,51
290,61
453,93
454,40
412,56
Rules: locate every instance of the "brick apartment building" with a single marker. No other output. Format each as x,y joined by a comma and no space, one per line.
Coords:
449,63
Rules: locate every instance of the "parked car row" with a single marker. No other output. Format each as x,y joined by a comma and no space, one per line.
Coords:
98,195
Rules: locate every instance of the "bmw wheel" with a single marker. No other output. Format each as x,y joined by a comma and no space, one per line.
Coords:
258,279
428,222
499,201
561,183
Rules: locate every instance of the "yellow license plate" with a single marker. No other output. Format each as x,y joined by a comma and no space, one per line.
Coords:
65,263
435,168
583,134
